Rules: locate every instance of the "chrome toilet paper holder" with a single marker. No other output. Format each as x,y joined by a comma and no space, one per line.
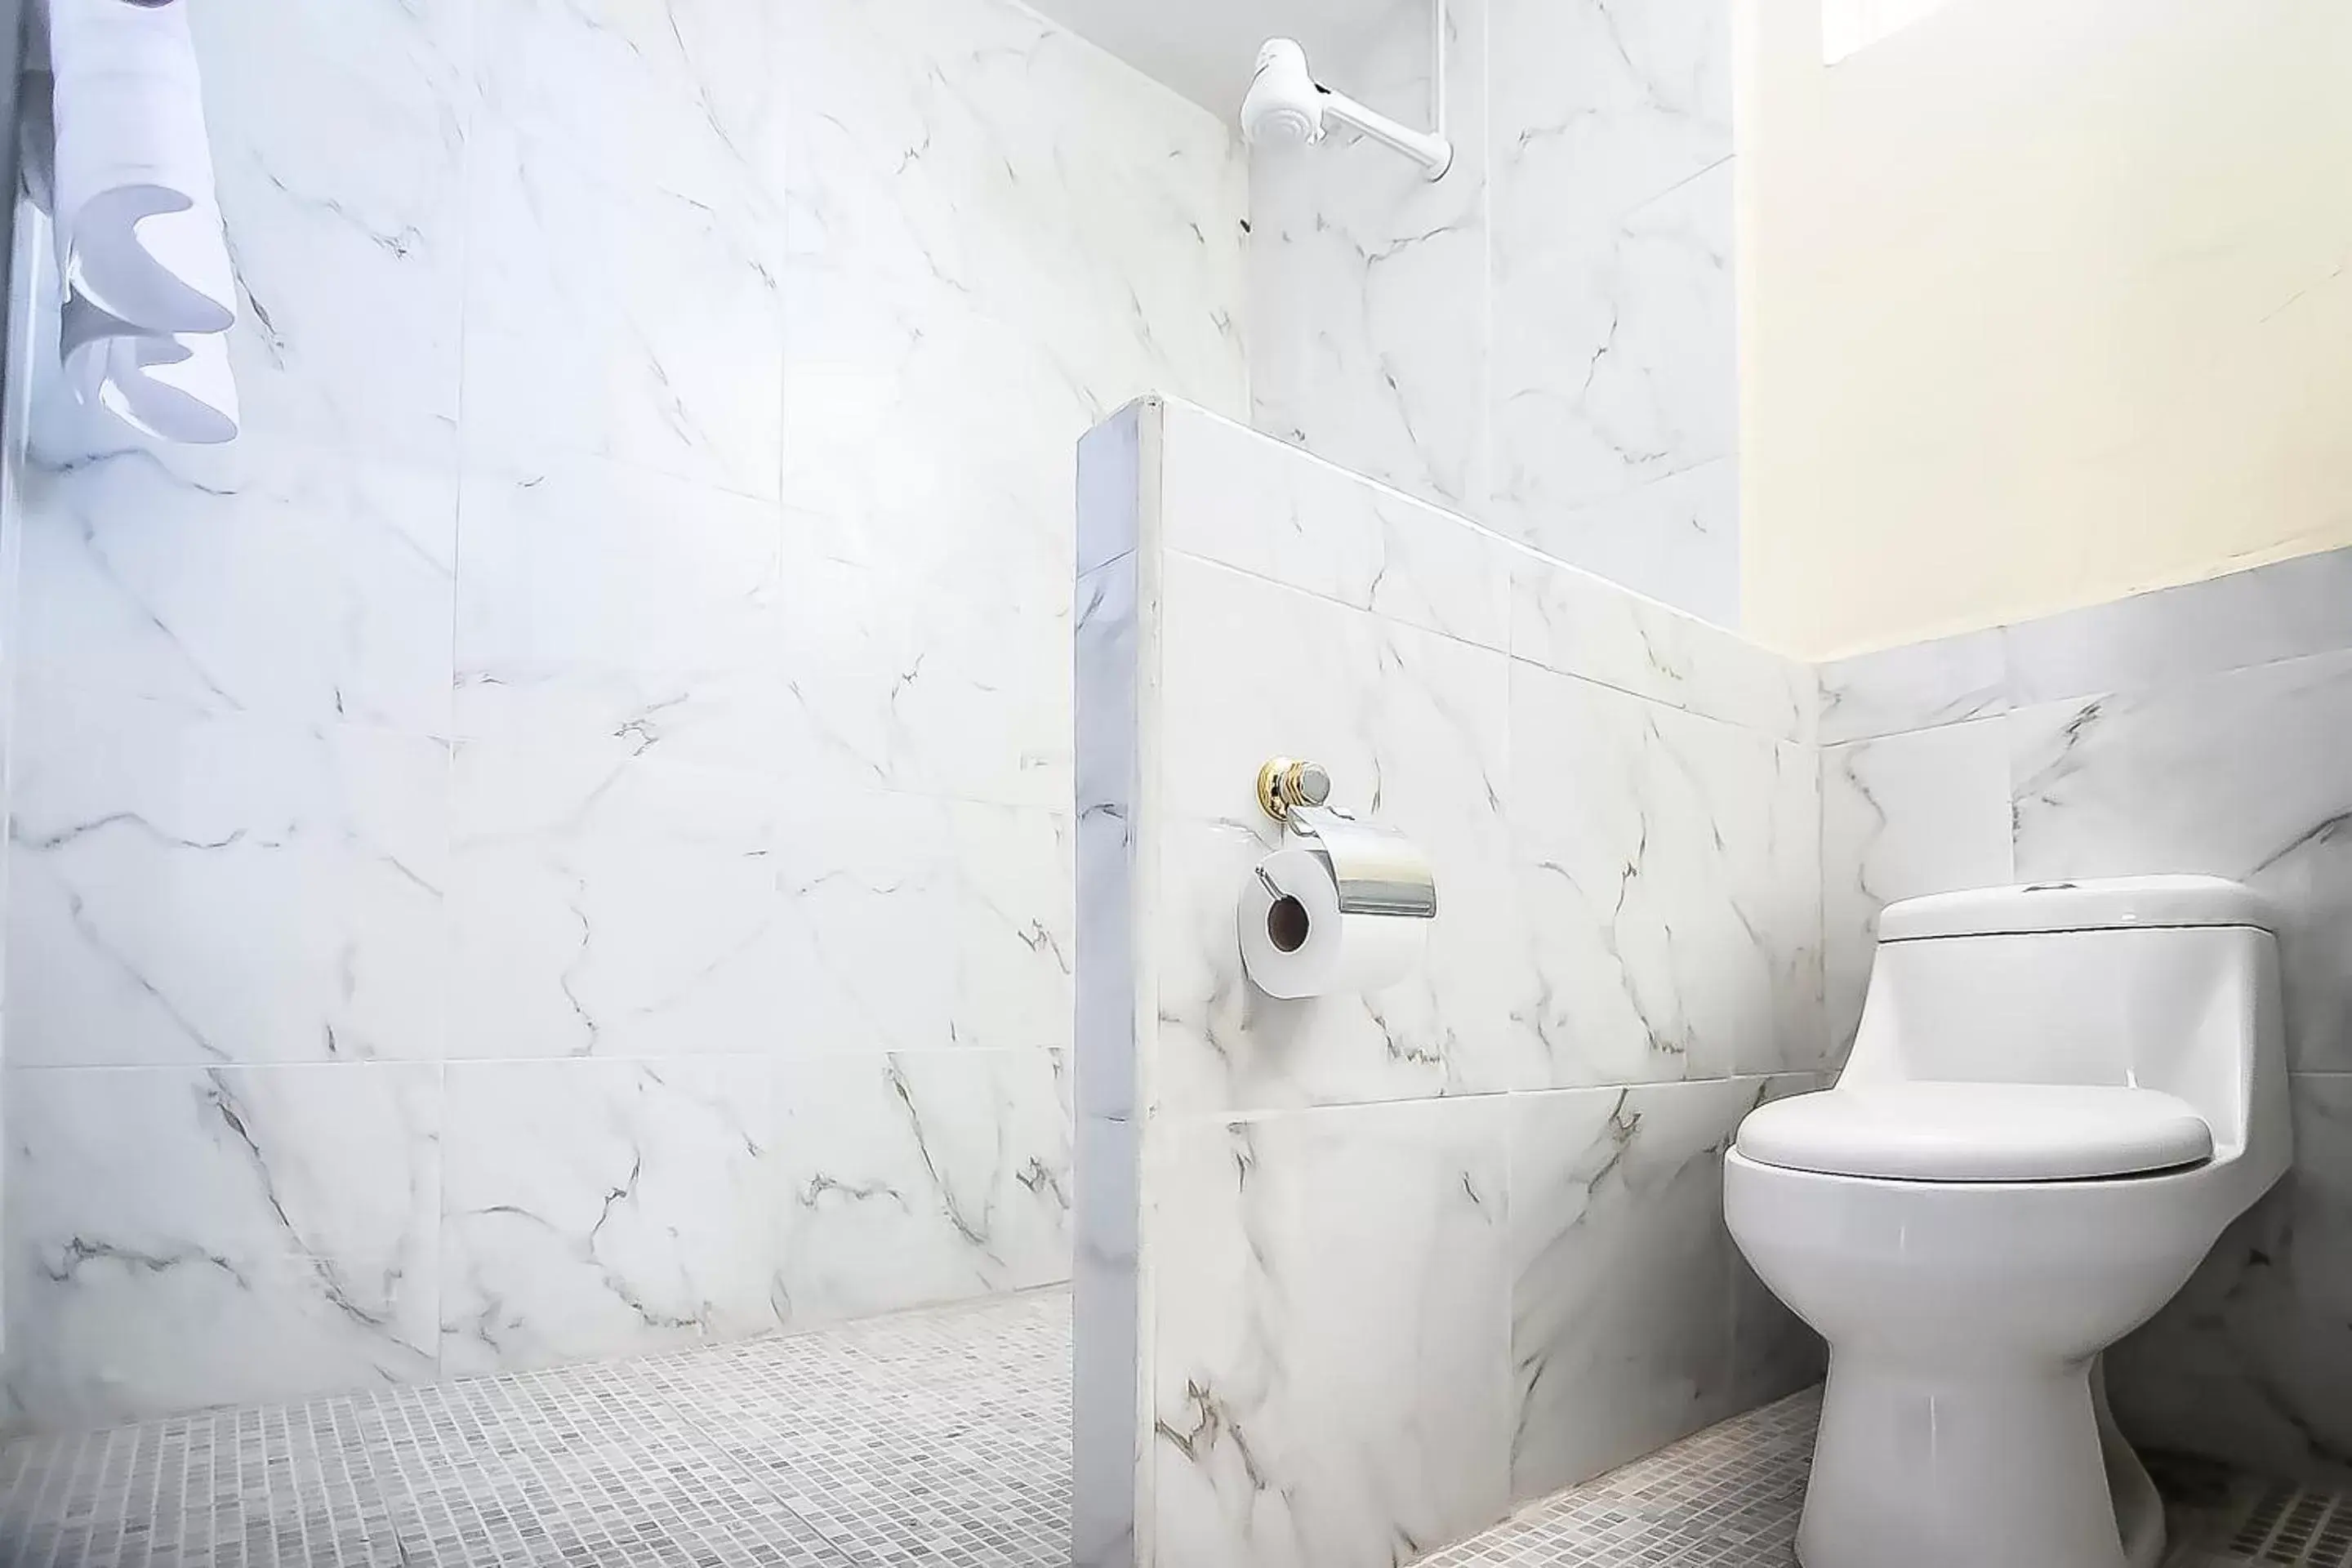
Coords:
1378,871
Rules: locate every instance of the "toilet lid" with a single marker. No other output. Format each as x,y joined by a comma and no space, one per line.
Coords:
1977,1131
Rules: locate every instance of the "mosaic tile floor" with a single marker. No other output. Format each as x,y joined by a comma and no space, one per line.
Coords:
1729,1497
939,1439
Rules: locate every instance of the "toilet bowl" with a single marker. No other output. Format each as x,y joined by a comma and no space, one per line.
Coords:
2058,1097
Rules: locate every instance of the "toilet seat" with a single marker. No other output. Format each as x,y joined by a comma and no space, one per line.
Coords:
1942,1132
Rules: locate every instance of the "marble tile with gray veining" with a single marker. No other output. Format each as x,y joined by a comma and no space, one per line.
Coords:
1330,1382
994,277
1577,623
900,677
600,602
598,1207
866,931
1599,108
619,319
1670,908
1016,925
606,901
2251,1363
1113,471
681,99
1621,1274
1223,1044
1925,811
1409,722
1245,500
195,889
747,346
268,577
339,142
1413,726
2246,775
1116,884
2287,610
1915,687
919,1176
272,1237
1369,279
1675,538
1618,368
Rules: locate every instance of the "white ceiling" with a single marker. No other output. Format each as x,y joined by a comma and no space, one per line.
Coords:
1205,49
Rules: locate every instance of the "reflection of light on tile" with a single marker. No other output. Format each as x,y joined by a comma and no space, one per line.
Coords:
1851,25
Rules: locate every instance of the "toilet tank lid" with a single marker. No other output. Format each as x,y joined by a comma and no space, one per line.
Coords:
2111,903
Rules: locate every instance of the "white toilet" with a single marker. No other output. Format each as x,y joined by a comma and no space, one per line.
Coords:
2059,1096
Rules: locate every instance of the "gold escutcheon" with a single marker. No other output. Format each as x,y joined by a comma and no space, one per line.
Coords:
1286,782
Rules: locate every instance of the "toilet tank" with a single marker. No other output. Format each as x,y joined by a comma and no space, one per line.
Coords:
2165,983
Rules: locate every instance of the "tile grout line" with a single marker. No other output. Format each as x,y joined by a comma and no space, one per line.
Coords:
708,1439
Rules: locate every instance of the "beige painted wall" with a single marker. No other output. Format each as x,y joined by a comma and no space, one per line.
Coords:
2043,302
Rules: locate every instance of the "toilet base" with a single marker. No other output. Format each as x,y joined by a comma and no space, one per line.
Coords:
1973,1468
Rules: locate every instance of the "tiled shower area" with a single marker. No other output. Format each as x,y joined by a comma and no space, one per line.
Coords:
938,1437
619,920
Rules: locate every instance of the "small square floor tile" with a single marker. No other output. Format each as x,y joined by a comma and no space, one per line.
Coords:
940,1439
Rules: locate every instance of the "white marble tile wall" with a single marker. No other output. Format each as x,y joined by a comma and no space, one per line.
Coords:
16,433
180,1233
2251,1363
1367,294
560,840
2204,728
1331,1376
1544,337
1613,389
1330,1323
1116,662
1920,811
1633,1317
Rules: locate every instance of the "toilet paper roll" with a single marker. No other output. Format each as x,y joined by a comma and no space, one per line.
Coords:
1296,942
